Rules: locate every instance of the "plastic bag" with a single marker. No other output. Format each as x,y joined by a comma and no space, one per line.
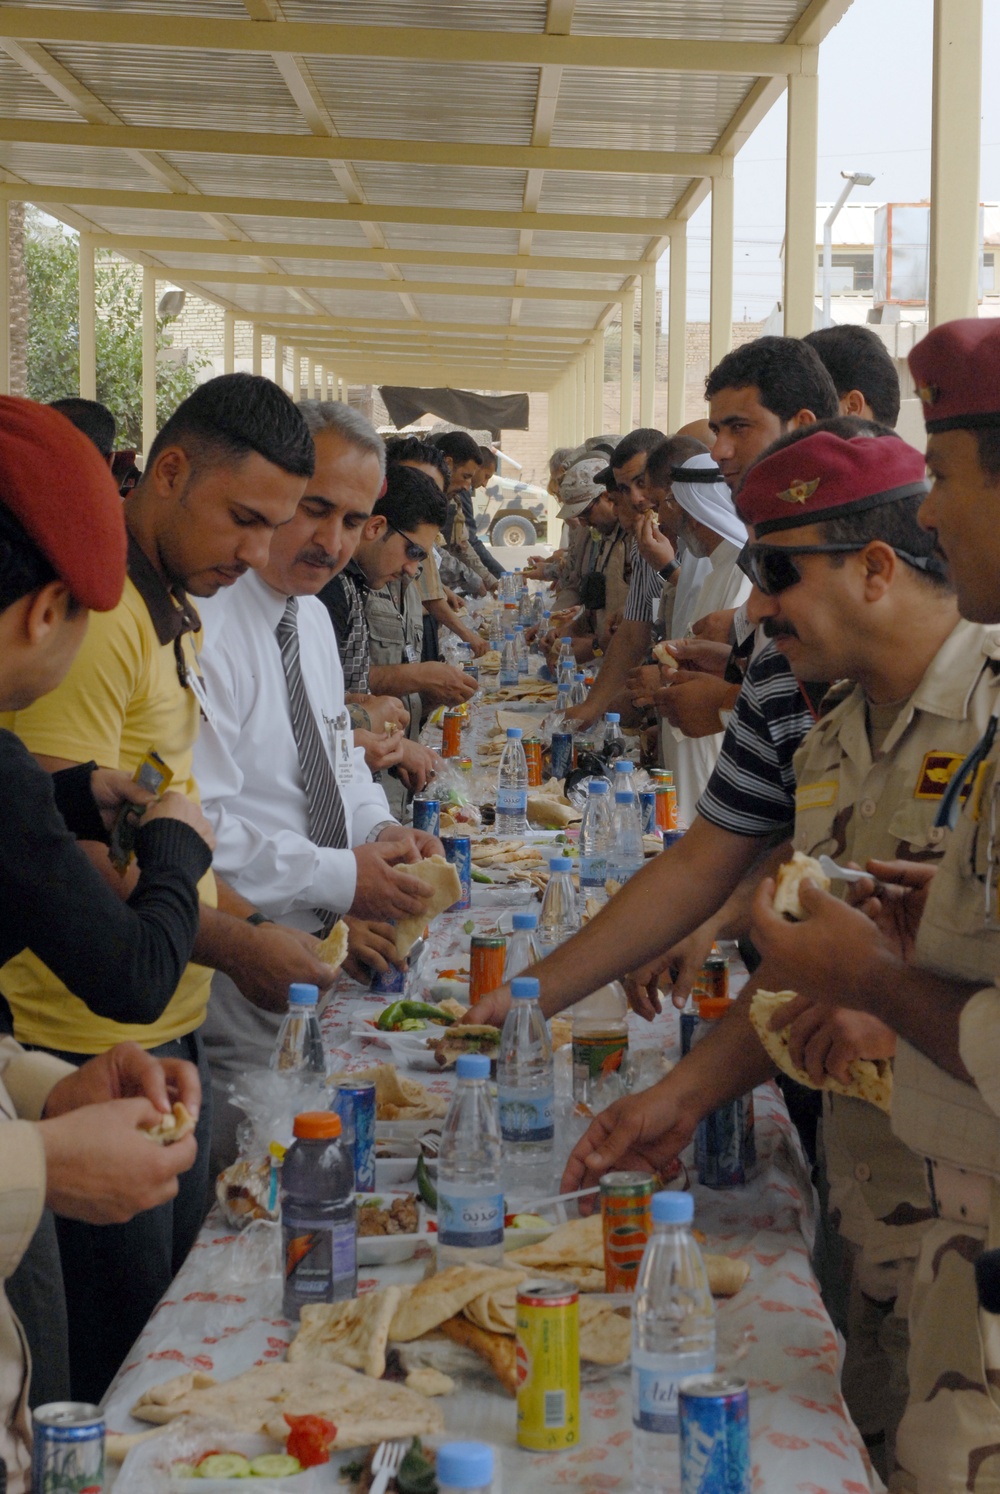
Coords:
248,1190
148,1467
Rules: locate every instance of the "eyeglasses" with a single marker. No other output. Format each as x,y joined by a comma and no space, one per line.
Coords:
772,568
414,551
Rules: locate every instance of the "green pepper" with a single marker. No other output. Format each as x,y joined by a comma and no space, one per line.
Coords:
426,1011
480,876
390,1016
425,1187
398,1013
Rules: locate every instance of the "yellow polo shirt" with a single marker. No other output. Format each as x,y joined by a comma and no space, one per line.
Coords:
122,696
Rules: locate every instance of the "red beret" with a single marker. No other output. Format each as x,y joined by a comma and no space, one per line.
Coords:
60,489
956,369
824,476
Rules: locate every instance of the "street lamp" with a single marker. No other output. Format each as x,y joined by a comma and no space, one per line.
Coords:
852,179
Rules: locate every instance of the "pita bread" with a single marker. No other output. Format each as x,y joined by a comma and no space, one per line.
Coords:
604,1336
333,949
662,655
497,1349
446,888
551,814
427,1381
354,1333
173,1127
442,1296
364,1411
726,1274
790,879
577,1243
397,1098
489,663
871,1077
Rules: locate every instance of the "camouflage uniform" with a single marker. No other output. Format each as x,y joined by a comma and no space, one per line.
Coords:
396,636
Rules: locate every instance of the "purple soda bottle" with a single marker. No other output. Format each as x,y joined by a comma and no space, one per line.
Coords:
318,1225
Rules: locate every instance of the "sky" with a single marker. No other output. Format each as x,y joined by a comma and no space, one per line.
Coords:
874,115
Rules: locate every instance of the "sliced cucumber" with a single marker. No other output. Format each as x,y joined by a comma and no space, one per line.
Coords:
224,1465
275,1465
183,1470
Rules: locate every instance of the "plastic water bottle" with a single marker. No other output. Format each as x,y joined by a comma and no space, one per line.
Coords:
508,662
542,619
595,841
299,1048
318,1227
512,787
526,1086
578,694
673,1336
614,742
526,607
496,630
560,917
520,650
470,1197
626,854
522,947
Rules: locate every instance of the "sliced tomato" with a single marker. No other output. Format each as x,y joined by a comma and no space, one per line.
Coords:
310,1439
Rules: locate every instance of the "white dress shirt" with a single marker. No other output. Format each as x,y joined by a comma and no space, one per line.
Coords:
247,763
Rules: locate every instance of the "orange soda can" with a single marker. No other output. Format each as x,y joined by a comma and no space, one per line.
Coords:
533,757
451,734
487,954
626,1214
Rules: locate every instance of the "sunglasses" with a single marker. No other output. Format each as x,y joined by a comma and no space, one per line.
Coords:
772,568
414,551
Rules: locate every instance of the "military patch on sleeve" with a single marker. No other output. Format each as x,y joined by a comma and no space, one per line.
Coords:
936,772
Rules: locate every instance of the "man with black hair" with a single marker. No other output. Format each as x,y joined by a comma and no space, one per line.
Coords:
862,371
463,540
225,471
94,419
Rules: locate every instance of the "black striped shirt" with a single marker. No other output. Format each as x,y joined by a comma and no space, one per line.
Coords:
644,588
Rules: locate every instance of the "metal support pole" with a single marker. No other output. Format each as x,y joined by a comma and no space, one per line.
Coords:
88,319
677,331
313,369
647,348
800,204
720,331
5,298
628,355
331,385
258,350
955,142
580,399
229,342
148,358
597,420
343,391
295,359
279,363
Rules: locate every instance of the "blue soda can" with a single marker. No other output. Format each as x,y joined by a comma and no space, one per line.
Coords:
714,1413
724,1146
390,982
689,1021
355,1104
671,837
647,811
562,753
473,670
427,815
458,850
68,1448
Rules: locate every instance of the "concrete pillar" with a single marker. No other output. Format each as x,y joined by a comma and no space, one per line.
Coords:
229,342
647,348
800,204
628,354
313,379
4,299
599,390
579,394
88,319
343,393
279,363
677,331
720,331
258,349
295,358
148,358
955,142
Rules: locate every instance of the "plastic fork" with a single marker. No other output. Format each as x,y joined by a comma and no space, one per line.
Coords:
846,873
385,1464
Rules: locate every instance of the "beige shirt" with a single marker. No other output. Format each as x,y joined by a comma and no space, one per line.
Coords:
854,805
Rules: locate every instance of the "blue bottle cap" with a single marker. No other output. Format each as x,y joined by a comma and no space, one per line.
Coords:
465,1465
510,636
546,614
624,796
597,786
624,765
567,639
613,718
526,920
300,994
524,988
514,731
580,675
519,628
560,864
473,1066
672,1208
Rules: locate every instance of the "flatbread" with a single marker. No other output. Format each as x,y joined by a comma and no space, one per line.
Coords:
333,949
497,1349
489,663
397,1098
726,1274
173,1127
428,1381
790,878
550,813
363,1410
872,1077
442,1296
662,655
354,1333
577,1243
446,889
604,1336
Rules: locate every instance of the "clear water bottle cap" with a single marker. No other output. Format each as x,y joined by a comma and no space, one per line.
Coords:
597,786
523,988
465,1465
300,994
672,1208
473,1066
561,864
525,920
514,731
624,765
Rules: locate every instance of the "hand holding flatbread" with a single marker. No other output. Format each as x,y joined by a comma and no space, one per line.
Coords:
333,949
446,889
790,878
871,1077
173,1127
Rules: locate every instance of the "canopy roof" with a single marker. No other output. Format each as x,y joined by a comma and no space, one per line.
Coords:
438,191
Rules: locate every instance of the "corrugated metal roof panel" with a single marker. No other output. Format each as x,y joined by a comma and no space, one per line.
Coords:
258,299
356,304
463,309
449,274
229,9
188,264
427,101
57,165
562,314
357,269
645,110
163,225
432,236
464,15
607,193
589,246
557,278
21,97
727,20
259,176
302,230
441,186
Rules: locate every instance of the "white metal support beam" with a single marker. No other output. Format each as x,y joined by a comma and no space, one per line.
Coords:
720,334
4,300
956,103
677,331
647,348
628,357
800,204
257,353
295,359
148,358
88,320
279,363
228,342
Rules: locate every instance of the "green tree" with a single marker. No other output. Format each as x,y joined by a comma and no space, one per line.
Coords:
53,267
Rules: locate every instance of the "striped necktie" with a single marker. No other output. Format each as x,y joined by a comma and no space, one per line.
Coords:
327,823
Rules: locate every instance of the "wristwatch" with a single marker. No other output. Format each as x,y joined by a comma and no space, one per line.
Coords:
669,569
374,833
257,919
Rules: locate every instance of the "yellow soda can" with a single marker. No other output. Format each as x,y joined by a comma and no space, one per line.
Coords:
548,1366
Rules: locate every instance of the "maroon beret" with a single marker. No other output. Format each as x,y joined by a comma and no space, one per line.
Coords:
956,369
824,476
60,489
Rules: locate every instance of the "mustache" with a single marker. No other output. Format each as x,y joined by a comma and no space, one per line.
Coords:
317,556
775,628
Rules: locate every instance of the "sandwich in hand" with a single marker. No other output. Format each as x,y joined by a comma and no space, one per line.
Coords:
790,879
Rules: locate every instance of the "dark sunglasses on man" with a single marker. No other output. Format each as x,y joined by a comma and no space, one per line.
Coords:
772,568
414,551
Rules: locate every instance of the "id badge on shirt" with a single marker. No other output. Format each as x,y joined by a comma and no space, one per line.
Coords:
341,748
412,654
197,684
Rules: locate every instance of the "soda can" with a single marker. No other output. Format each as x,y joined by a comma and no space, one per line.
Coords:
724,1146
533,757
487,954
390,982
451,734
689,1021
68,1448
562,753
548,1366
355,1104
427,815
671,837
596,1055
626,1216
458,850
714,1413
472,670
647,811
